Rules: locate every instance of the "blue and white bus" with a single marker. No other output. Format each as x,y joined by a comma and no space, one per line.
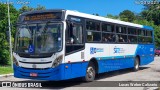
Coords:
64,44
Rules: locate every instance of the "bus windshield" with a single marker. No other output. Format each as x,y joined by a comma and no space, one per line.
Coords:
39,38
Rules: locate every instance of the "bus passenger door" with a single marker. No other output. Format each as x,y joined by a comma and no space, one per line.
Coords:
74,49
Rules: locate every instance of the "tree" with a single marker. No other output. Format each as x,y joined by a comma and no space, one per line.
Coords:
4,45
152,13
27,8
112,16
127,15
39,7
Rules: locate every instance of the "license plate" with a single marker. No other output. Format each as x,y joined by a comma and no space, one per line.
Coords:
33,74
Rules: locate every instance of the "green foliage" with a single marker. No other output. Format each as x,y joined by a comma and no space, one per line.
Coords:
127,15
157,35
6,70
111,16
152,13
4,45
4,59
144,22
27,8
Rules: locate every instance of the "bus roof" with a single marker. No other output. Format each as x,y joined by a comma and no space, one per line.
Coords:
89,16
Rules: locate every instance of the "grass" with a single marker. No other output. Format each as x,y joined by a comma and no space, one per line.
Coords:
5,70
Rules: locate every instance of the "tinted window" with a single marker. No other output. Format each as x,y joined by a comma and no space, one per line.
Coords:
74,33
77,34
141,39
141,32
74,37
108,37
149,33
148,39
120,29
107,27
93,36
132,31
92,25
122,38
132,39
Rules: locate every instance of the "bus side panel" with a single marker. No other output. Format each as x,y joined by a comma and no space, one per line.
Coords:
67,74
115,64
75,70
102,65
76,65
111,56
146,53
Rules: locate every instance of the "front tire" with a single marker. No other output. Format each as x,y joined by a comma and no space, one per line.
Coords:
136,64
90,72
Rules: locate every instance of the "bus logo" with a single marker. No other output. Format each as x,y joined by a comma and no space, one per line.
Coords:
118,50
95,50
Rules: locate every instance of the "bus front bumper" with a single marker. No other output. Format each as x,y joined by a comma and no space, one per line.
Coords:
39,74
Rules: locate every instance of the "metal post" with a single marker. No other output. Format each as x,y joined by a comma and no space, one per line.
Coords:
10,41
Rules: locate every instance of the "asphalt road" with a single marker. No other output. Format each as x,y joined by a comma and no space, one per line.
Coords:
150,72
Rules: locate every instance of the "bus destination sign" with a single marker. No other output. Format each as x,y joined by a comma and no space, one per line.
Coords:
42,16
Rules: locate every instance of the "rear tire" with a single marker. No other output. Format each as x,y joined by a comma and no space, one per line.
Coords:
136,64
90,72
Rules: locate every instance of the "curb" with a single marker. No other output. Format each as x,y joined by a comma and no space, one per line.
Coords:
6,75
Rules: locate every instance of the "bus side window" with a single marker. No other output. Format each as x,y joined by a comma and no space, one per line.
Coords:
74,38
122,38
89,36
108,37
77,34
74,34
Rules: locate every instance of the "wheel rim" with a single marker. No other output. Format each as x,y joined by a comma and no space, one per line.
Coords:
90,73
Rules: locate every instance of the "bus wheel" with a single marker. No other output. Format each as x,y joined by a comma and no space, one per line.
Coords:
136,64
90,73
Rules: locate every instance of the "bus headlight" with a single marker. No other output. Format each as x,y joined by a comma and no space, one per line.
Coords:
57,61
15,61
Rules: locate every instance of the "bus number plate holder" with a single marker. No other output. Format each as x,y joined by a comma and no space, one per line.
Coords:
33,74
